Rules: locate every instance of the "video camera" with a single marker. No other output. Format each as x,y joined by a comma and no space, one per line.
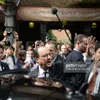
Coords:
9,31
9,36
7,43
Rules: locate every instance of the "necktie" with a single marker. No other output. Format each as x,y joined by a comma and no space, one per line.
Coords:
92,82
46,74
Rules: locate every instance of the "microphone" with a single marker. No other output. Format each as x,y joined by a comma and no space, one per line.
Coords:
54,11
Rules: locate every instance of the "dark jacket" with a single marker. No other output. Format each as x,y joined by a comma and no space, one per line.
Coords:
75,56
74,78
58,58
56,71
4,66
4,92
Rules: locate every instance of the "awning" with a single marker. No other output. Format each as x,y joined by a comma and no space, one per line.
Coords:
69,14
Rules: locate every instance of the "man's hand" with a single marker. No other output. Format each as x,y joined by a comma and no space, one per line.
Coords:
43,82
90,46
57,84
47,82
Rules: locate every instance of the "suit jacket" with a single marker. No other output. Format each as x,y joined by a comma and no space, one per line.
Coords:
63,56
56,71
4,92
76,79
4,66
57,59
75,56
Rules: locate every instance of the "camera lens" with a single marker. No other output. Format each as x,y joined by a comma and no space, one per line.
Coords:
7,43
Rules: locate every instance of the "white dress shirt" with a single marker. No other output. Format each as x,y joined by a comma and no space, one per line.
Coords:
42,73
97,84
91,73
10,62
0,68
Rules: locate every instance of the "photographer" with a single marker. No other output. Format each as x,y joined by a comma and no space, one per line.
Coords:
5,36
10,58
38,43
11,50
4,39
3,66
8,36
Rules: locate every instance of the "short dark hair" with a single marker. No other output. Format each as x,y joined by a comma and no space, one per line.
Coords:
10,47
36,53
97,46
52,43
22,52
79,37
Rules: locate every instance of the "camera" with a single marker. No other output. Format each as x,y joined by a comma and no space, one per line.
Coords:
38,43
9,31
7,43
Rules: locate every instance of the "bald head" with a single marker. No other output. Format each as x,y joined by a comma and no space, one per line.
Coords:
42,49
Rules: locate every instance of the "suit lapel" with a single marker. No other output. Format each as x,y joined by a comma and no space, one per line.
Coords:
51,72
79,52
34,73
2,66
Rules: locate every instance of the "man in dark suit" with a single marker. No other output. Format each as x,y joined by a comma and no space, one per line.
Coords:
57,61
80,45
44,60
44,68
65,49
3,67
51,45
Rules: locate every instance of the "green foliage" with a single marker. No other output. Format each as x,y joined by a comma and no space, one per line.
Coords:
51,36
1,1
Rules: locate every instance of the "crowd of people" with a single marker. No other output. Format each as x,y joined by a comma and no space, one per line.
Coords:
47,59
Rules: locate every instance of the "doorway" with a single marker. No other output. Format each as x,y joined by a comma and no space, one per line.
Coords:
27,34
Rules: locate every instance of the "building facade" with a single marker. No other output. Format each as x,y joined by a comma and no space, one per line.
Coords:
79,14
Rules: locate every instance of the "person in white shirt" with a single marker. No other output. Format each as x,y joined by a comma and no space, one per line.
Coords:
29,62
94,67
10,58
3,66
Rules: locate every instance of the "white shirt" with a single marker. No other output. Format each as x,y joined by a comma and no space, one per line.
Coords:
34,67
91,73
10,63
76,50
30,60
41,73
0,68
97,83
90,76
